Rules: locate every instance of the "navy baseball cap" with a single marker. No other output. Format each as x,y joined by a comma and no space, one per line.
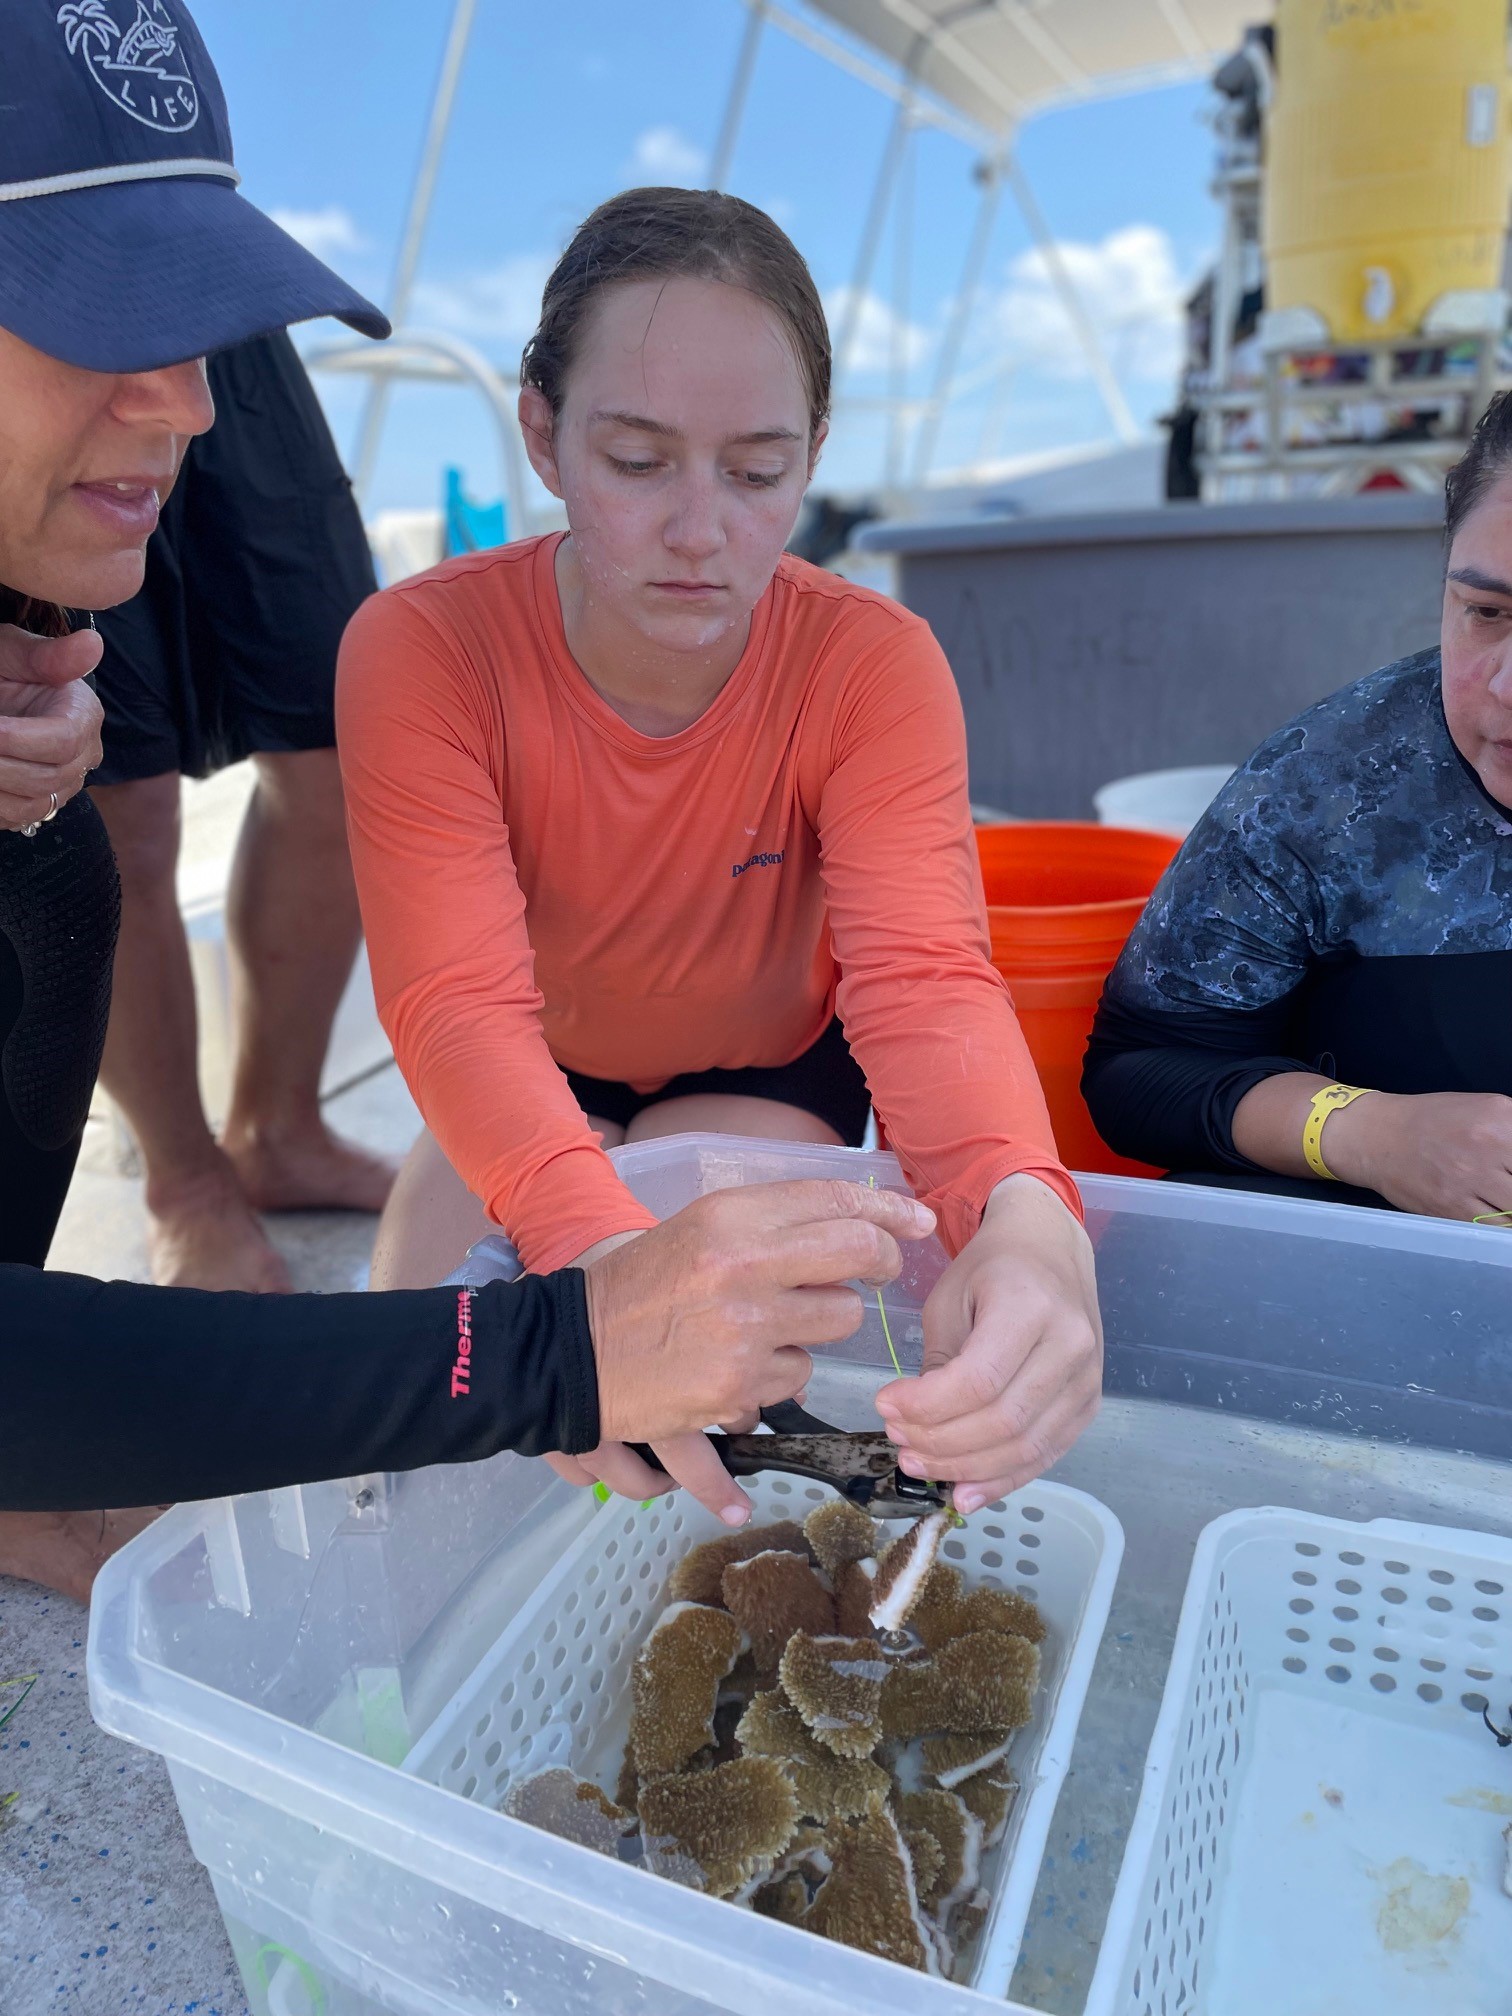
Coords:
124,245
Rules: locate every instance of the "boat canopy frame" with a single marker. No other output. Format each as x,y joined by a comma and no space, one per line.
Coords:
974,69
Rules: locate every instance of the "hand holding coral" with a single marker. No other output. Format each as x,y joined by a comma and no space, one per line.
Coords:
1012,1352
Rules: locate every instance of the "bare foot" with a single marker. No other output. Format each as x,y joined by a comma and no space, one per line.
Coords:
311,1170
208,1236
66,1550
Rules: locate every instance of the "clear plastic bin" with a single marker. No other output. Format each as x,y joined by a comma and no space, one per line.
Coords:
285,1650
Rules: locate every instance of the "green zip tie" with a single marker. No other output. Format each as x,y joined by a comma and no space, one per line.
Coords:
956,1518
882,1311
309,1979
887,1333
1493,1218
25,1682
602,1494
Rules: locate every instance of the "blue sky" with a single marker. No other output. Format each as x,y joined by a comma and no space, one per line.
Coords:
563,104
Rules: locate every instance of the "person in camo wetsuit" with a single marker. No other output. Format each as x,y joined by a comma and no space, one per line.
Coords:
1340,924
125,257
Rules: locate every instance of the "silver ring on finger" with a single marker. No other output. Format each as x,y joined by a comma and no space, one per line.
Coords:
52,808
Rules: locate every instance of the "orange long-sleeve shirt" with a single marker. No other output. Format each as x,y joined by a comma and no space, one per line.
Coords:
543,885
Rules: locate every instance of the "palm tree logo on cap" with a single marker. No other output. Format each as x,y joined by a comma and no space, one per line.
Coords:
138,66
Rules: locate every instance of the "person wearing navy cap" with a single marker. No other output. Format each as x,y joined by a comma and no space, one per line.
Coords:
126,255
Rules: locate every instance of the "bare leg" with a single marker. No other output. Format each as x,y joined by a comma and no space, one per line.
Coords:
292,922
66,1550
202,1232
730,1113
432,1217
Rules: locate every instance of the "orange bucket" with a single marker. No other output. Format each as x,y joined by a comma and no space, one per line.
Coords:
1062,897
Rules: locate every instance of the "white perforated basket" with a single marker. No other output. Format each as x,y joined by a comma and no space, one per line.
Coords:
1319,1831
554,1689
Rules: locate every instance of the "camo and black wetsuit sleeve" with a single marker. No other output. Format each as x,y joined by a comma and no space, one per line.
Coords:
117,1394
1344,907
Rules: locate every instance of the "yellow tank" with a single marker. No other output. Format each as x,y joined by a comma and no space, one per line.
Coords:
1387,166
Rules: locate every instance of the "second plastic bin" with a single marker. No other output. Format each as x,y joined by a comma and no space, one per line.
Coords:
1062,897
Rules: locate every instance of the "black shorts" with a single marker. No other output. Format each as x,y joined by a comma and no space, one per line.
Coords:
253,574
825,1081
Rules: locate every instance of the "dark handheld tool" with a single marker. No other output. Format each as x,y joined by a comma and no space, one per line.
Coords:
863,1468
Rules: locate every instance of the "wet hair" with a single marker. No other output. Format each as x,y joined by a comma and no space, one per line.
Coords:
666,234
1485,461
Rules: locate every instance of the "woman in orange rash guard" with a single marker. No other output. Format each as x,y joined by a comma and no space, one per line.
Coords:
638,811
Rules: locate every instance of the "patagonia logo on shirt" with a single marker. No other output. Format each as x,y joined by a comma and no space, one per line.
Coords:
759,861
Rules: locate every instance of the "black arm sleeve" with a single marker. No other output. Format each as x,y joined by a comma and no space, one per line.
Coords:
114,1394
1163,1087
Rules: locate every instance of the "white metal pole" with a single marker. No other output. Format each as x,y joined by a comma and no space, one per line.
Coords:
990,170
902,278
421,196
1123,420
871,234
740,85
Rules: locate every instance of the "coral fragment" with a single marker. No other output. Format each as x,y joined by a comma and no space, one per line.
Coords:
836,1686
697,1577
868,1900
716,1830
566,1805
771,1596
675,1685
839,1533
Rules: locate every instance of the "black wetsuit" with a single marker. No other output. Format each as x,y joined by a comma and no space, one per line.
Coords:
117,1394
1344,907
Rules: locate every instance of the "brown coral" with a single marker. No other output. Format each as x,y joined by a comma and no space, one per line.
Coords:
784,1896
828,1787
868,1900
951,1760
564,1804
771,1596
958,1834
983,1681
938,1616
945,1611
990,1796
853,1598
836,1686
928,1859
716,1830
1004,1610
904,1570
840,1532
675,1685
697,1577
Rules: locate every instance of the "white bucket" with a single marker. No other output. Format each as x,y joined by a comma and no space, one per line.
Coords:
1162,801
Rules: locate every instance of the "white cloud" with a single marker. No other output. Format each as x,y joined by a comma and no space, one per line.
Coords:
664,156
501,302
330,233
1132,292
876,327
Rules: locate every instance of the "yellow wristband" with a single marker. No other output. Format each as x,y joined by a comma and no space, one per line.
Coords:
1329,1100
